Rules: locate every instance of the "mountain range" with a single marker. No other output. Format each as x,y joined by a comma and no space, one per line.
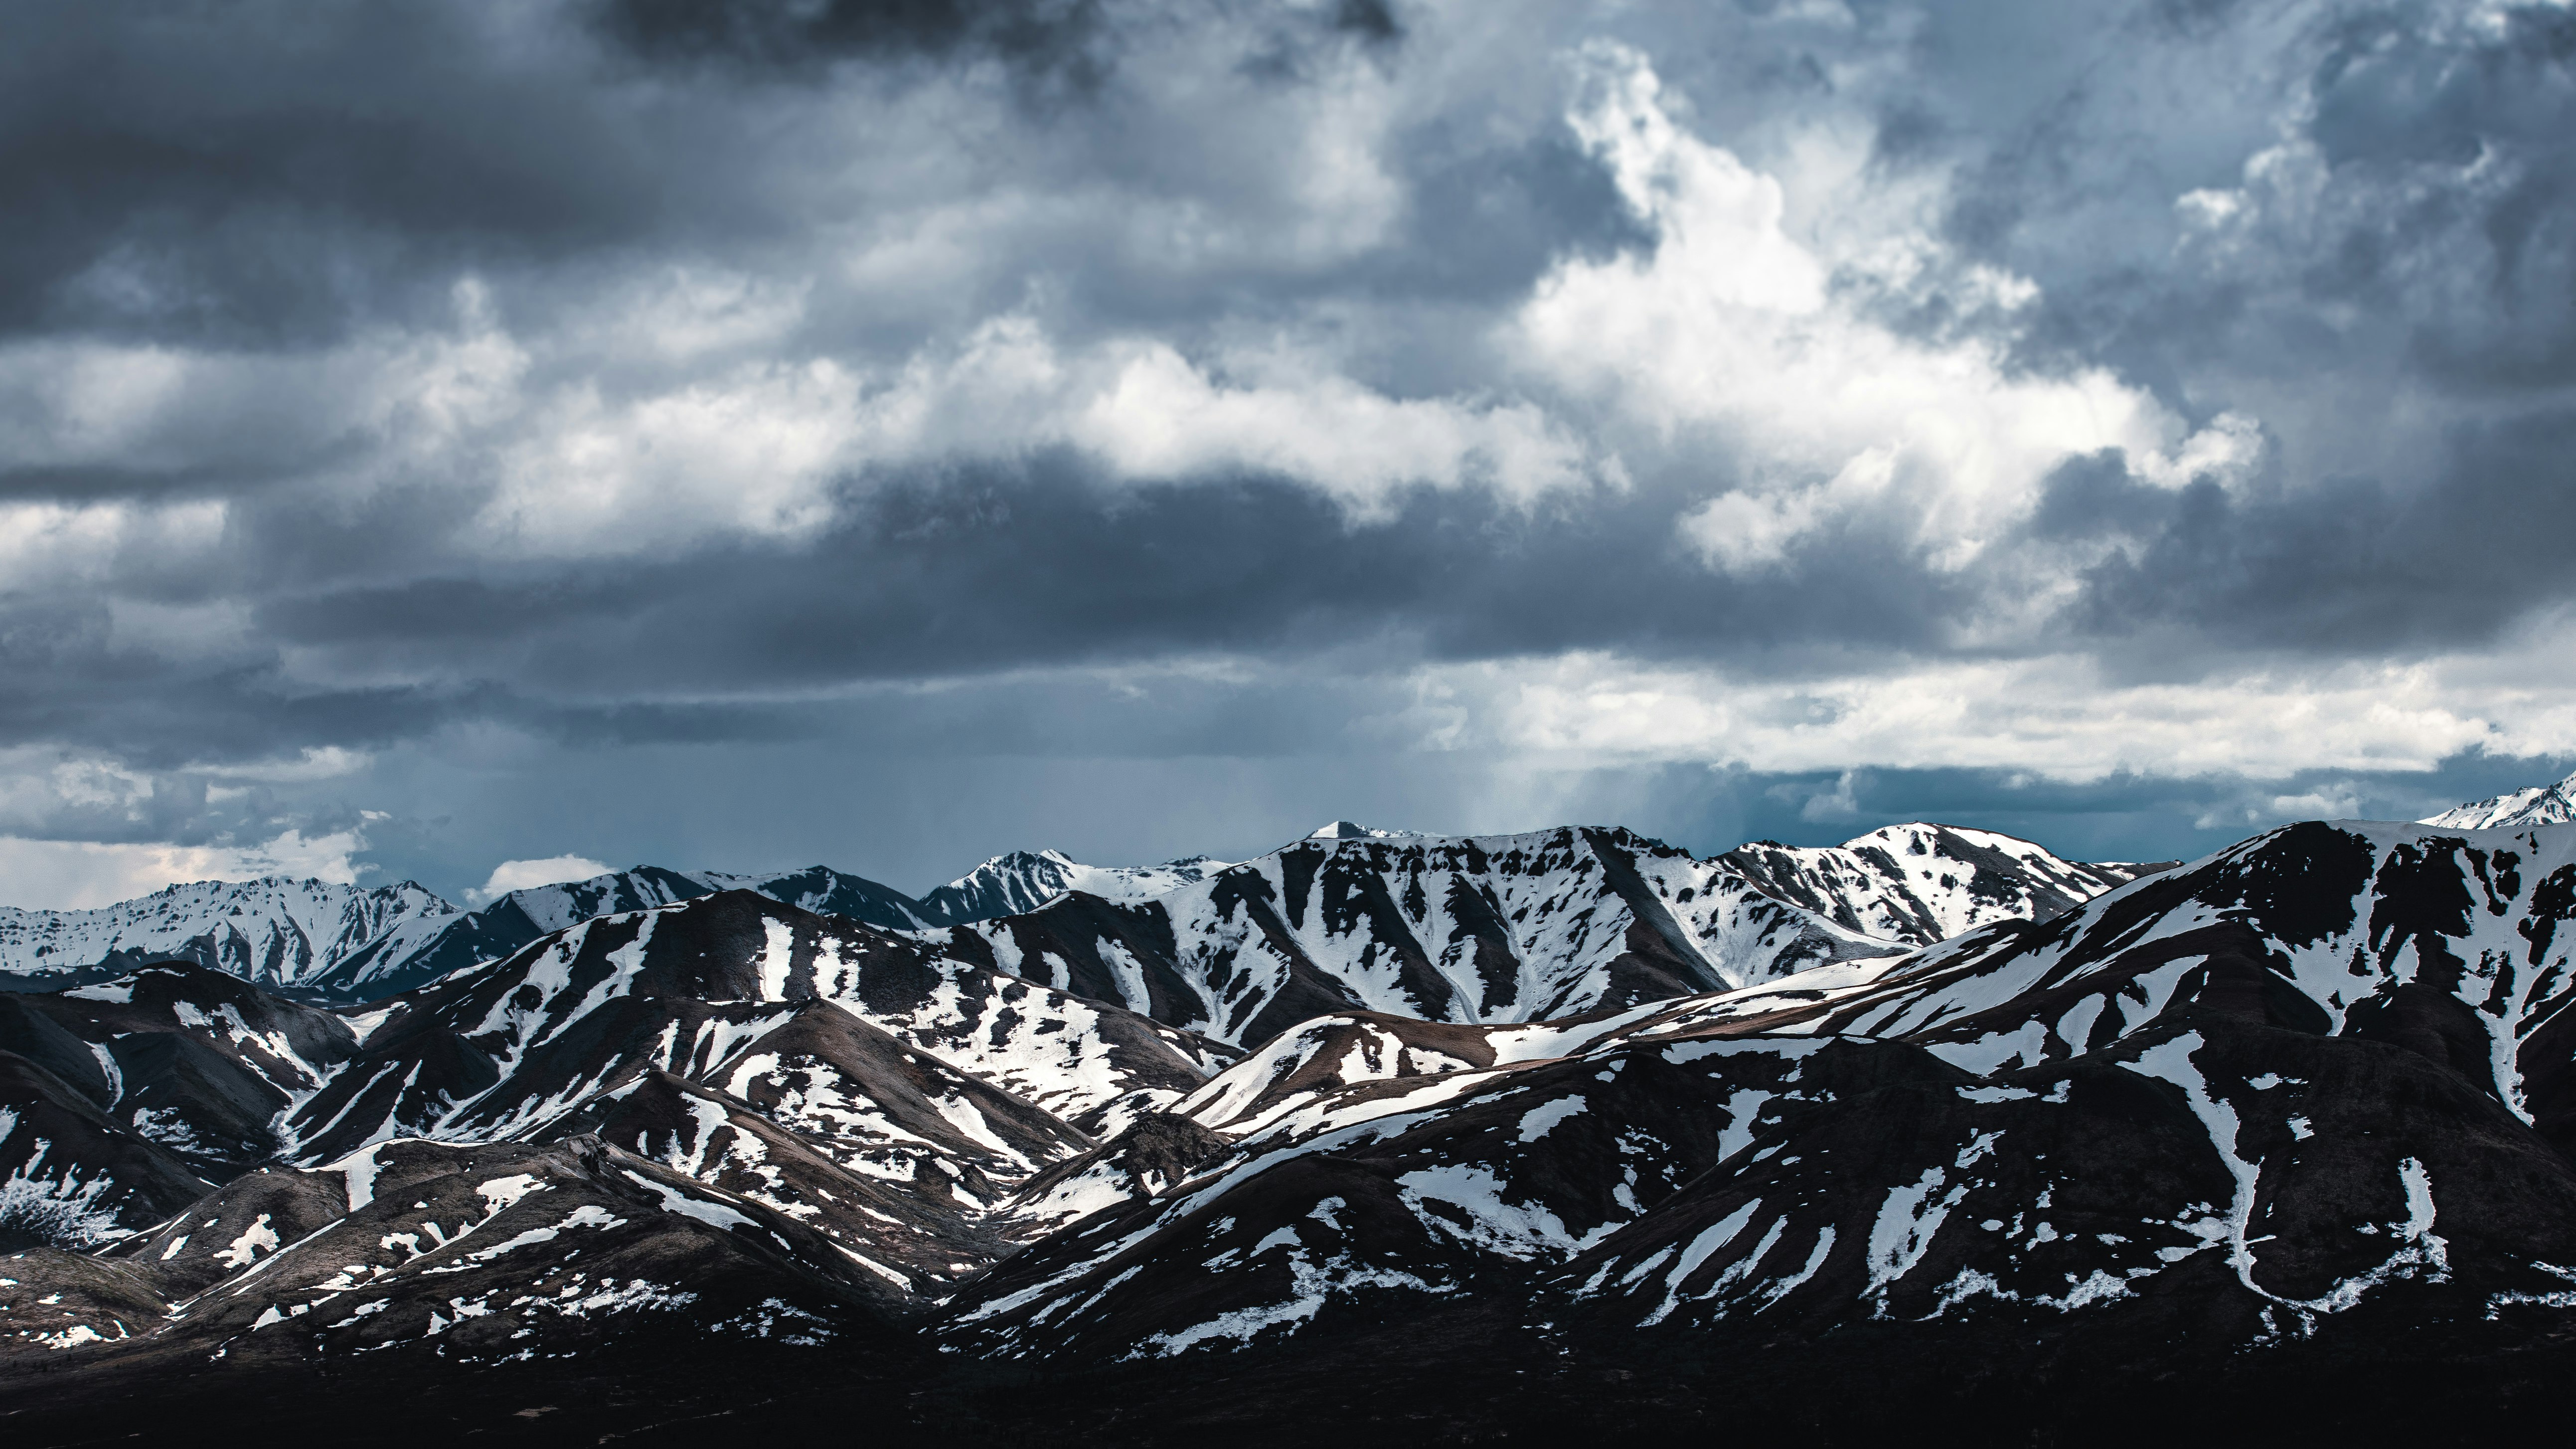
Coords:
1399,1136
1511,927
337,943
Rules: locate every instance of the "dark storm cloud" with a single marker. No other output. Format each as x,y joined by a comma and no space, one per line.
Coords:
260,174
2486,126
71,685
1028,567
1036,567
2343,566
801,37
271,176
2444,208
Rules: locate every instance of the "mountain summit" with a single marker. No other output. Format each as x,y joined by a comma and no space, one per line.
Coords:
2537,805
1350,830
1025,880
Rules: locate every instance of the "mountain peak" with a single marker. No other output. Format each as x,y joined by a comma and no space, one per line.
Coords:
2535,805
1023,880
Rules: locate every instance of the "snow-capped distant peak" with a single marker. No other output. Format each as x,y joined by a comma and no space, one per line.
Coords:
1347,830
1024,880
276,930
2538,805
1918,883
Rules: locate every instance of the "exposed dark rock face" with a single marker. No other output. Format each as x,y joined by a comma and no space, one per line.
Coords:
196,1060
74,1176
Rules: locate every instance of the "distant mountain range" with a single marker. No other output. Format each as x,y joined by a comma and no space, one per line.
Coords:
1511,927
423,950
325,942
278,932
335,943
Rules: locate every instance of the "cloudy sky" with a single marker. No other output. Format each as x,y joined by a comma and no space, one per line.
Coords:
889,432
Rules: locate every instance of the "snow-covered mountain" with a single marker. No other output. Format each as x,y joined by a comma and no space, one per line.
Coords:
1923,883
1485,928
2315,1088
728,1060
2537,805
347,943
274,931
424,950
1515,928
1024,880
1904,886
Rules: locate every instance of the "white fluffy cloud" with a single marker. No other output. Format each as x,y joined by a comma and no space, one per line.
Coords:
2054,717
767,448
1729,339
77,875
519,875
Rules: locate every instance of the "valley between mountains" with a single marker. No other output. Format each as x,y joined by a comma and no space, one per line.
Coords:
1408,1138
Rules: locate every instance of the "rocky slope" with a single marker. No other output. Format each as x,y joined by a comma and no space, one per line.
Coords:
2317,1085
196,1062
849,1081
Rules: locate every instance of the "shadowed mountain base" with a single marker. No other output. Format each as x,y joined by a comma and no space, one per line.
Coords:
1469,1378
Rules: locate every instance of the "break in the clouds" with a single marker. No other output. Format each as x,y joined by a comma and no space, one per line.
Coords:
443,441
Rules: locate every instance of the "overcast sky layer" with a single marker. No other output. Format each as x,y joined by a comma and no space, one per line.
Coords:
886,434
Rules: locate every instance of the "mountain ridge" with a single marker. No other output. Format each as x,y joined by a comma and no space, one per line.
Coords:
2535,805
1024,880
1441,927
413,937
277,930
